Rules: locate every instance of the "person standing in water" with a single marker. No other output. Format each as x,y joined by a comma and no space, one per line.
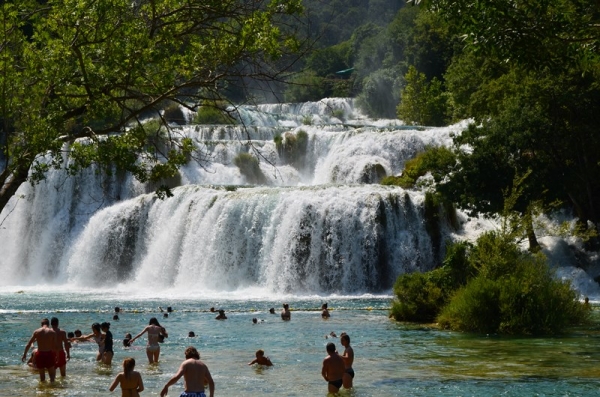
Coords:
325,311
195,375
285,313
62,350
44,357
130,380
154,330
348,357
333,369
108,344
97,336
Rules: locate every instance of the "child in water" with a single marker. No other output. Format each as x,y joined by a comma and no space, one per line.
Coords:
261,359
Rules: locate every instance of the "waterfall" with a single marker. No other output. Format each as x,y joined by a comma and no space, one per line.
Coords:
318,224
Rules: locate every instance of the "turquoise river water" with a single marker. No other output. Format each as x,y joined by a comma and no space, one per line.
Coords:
392,359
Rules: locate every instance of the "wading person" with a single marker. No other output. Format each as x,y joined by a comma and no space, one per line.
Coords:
195,375
62,350
333,369
285,313
108,344
348,357
44,357
130,380
154,330
97,336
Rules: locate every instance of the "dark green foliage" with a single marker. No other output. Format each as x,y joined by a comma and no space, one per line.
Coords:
437,160
422,102
212,115
250,168
490,287
514,292
174,114
378,97
419,296
306,86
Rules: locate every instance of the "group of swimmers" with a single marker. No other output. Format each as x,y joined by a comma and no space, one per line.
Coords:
54,344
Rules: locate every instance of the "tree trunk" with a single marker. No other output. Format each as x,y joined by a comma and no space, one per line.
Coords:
534,245
10,184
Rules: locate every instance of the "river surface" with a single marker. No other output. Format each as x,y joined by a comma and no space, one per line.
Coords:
392,359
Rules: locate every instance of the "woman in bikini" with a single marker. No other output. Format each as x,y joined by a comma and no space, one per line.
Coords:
130,380
154,330
97,336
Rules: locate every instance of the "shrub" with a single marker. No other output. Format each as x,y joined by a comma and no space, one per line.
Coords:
419,296
212,115
474,308
436,160
249,167
292,147
514,292
174,114
490,287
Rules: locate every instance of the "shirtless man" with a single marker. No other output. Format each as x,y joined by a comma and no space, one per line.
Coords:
44,356
59,351
348,357
195,375
325,311
333,369
285,313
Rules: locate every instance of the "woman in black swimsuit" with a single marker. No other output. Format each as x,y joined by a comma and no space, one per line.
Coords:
108,344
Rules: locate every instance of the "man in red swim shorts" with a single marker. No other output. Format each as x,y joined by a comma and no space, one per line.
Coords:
45,358
61,340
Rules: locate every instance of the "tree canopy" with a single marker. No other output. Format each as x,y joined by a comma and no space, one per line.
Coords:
72,69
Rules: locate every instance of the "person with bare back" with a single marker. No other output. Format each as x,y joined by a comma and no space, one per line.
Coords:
348,357
130,380
333,369
45,337
154,330
62,350
195,375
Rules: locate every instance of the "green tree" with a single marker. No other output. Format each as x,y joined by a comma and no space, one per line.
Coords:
422,102
529,78
72,69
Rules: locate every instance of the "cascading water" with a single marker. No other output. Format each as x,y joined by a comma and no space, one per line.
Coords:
318,223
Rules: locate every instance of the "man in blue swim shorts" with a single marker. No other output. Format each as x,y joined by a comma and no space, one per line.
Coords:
195,375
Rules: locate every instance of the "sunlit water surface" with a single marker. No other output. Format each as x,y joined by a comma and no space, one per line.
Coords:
392,359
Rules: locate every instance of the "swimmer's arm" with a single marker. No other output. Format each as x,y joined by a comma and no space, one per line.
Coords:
138,335
28,346
174,379
269,363
253,361
82,338
115,383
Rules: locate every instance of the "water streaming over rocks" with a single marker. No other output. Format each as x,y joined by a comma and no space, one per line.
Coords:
311,220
